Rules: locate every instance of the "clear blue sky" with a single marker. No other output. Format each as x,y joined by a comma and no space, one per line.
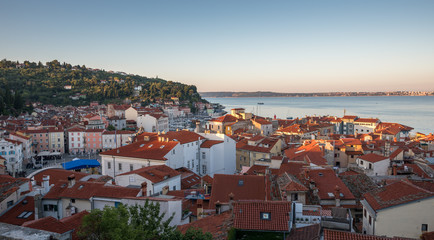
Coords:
284,46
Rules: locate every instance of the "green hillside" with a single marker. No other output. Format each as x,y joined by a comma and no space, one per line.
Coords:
63,84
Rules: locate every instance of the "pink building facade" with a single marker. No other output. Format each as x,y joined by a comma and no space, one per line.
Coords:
93,140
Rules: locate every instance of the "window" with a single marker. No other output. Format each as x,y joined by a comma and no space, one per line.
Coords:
174,188
265,216
203,169
188,164
73,200
203,155
109,165
364,213
424,227
10,203
370,166
50,207
294,196
361,162
197,168
120,166
72,139
131,167
370,220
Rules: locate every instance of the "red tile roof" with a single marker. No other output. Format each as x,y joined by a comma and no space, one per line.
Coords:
76,129
367,120
244,187
182,136
155,174
152,149
225,118
74,222
188,178
11,216
349,117
293,168
326,182
340,235
9,185
248,215
57,175
351,141
85,190
256,169
262,121
210,143
373,158
395,193
311,232
217,225
48,224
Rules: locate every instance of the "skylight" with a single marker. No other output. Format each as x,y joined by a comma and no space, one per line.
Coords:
25,214
150,146
240,182
142,145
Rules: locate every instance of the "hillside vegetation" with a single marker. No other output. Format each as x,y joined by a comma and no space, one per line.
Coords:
63,84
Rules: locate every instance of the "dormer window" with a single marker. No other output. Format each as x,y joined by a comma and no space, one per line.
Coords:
240,182
265,216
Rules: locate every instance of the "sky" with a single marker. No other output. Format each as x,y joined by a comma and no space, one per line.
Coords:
280,46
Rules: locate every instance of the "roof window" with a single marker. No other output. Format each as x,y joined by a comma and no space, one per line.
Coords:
240,182
265,216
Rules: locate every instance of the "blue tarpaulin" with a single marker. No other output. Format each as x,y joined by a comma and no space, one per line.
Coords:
80,164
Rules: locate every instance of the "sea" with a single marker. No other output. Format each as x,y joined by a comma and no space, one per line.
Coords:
413,111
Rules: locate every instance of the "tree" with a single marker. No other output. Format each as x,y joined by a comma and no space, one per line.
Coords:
133,222
110,128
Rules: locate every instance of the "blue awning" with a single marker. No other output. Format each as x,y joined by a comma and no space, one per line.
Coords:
80,164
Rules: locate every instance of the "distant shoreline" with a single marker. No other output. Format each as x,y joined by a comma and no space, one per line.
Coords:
329,94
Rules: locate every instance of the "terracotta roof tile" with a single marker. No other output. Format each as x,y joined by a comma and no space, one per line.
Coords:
12,216
244,187
57,175
399,192
217,225
326,182
85,190
48,224
210,143
155,174
182,136
249,215
225,118
340,235
152,149
373,158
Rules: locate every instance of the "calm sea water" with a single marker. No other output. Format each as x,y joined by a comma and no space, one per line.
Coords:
413,111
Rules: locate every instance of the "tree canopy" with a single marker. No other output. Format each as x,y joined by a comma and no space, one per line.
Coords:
63,84
133,222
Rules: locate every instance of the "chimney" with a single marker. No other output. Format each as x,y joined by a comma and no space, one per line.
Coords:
144,187
38,206
338,196
46,183
71,180
218,208
165,190
199,209
231,200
